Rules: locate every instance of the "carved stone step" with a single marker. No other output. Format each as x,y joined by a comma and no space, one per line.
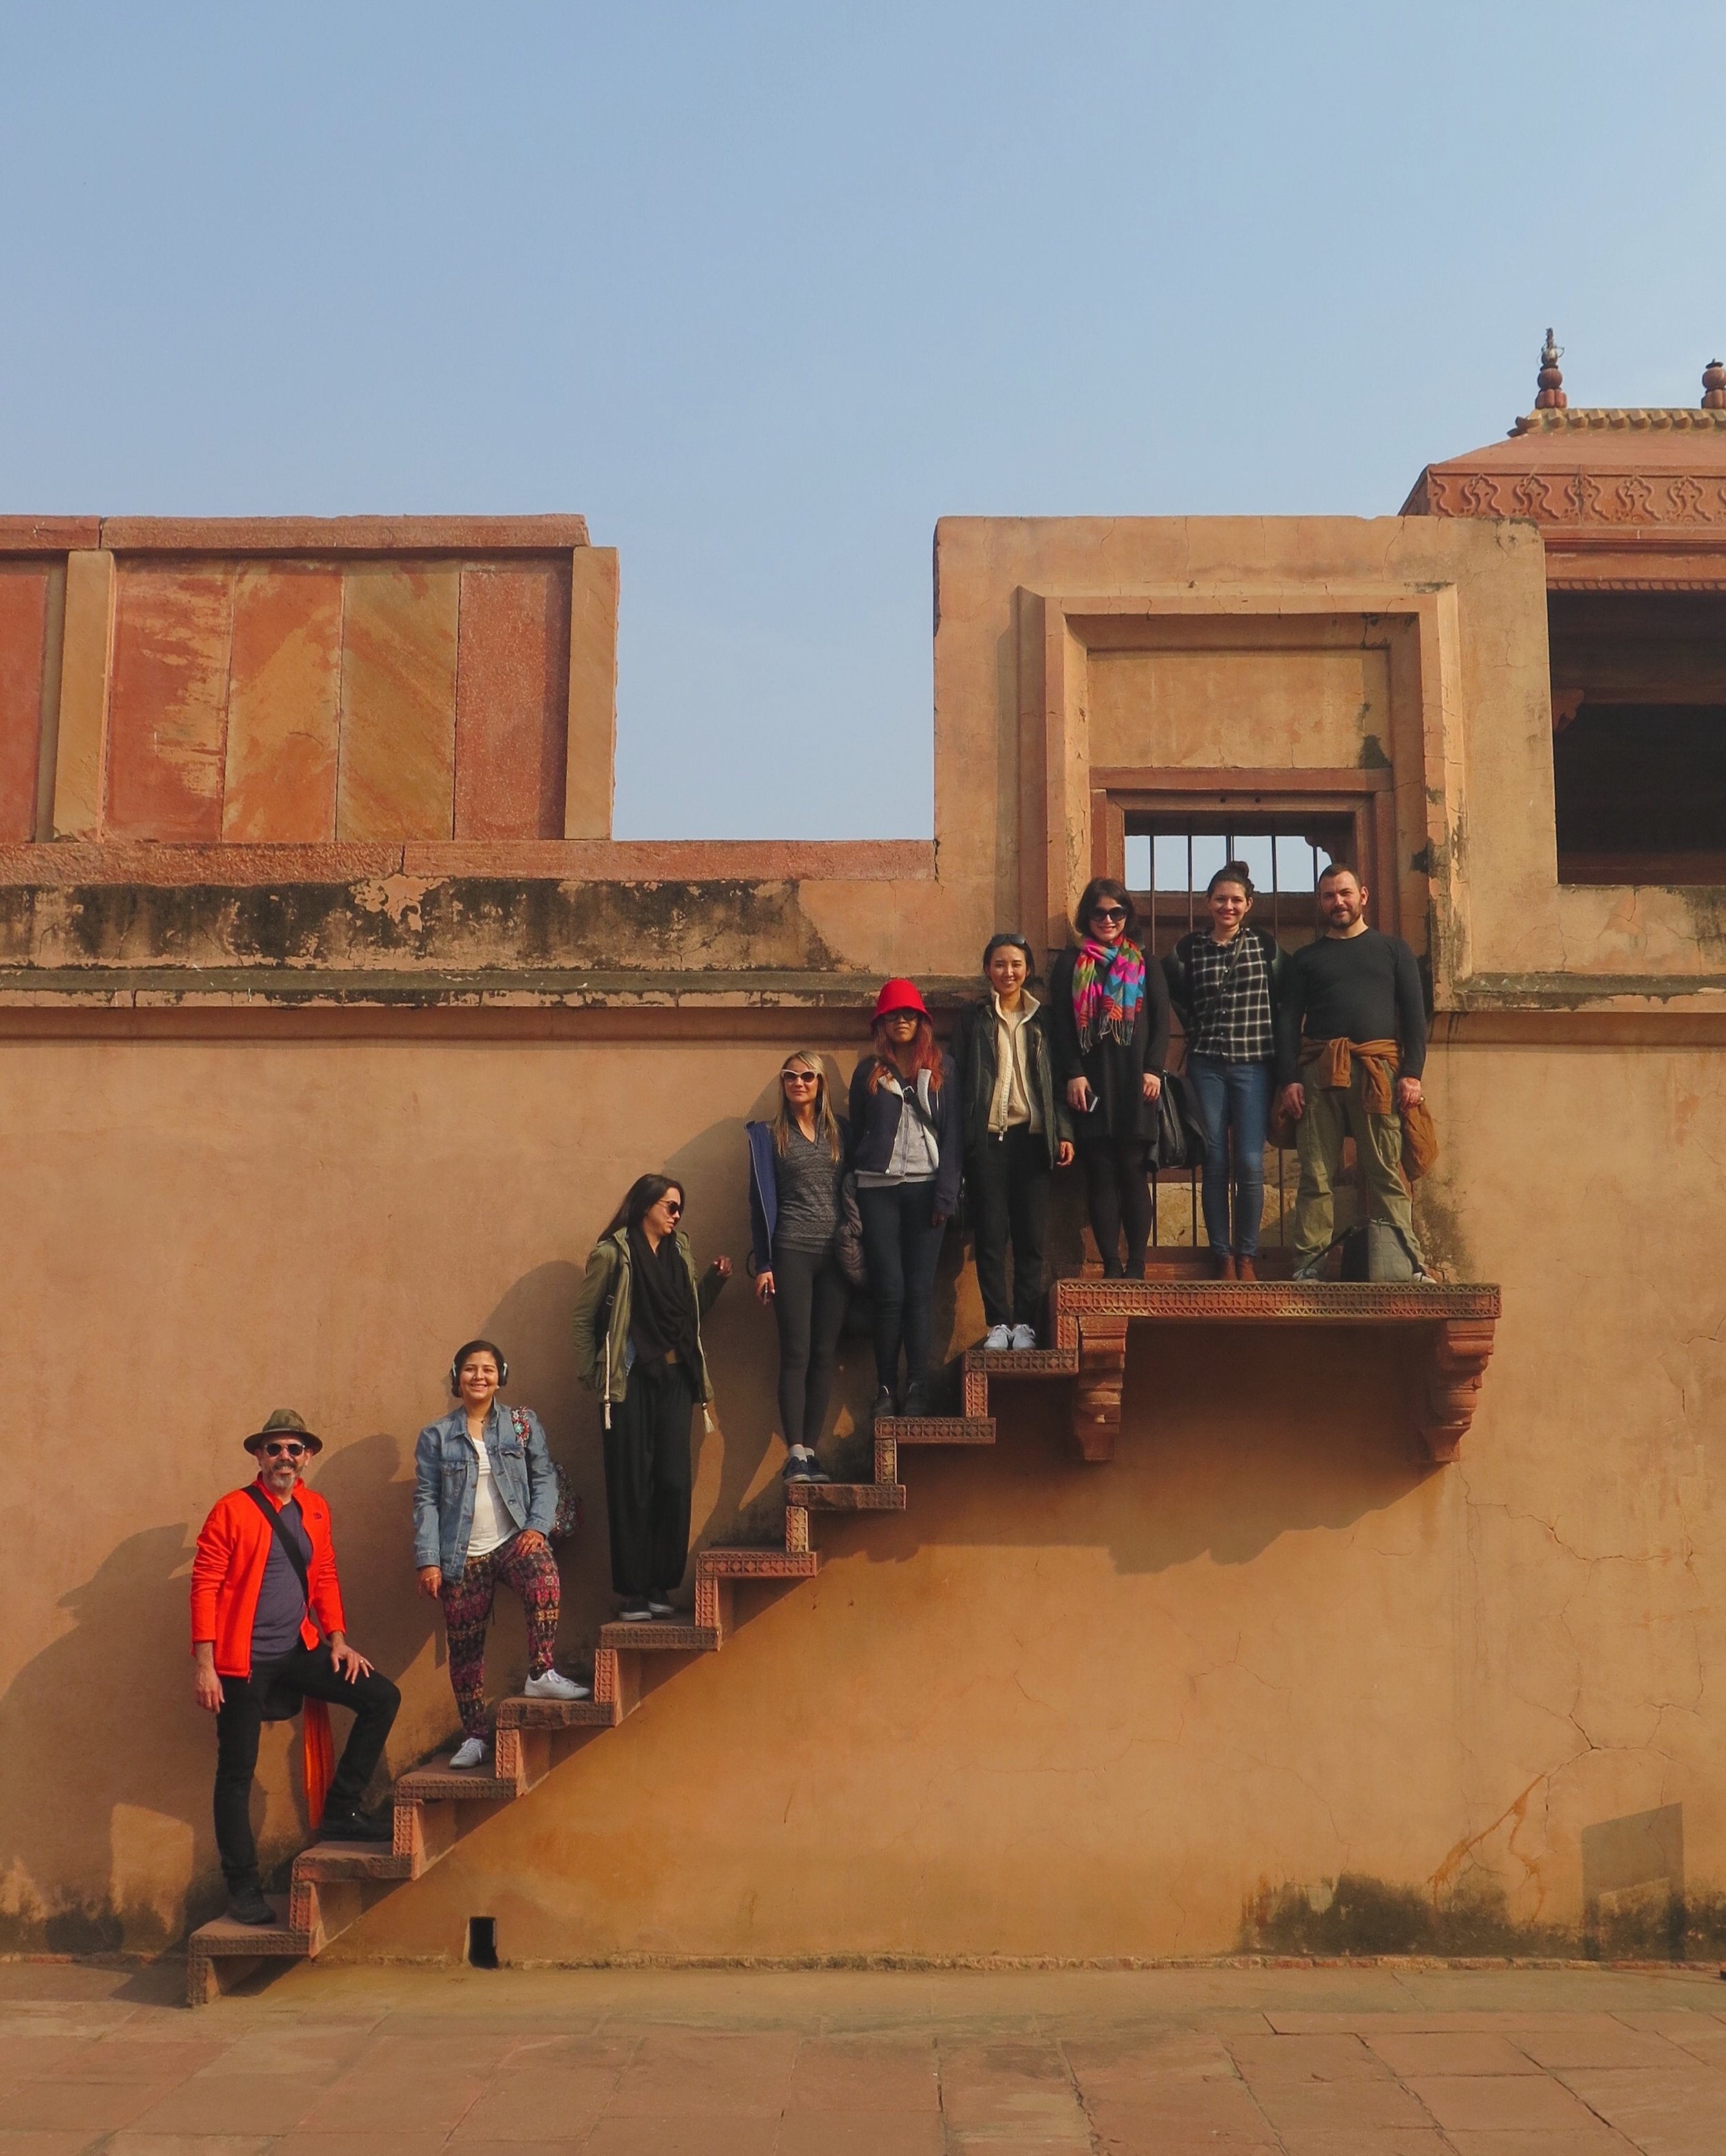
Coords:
765,1563
1022,1361
554,1714
225,1950
938,1429
660,1636
440,1782
326,1862
852,1497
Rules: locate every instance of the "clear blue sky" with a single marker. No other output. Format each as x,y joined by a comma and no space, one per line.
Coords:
764,290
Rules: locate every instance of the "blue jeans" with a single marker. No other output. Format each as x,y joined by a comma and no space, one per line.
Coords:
1234,1099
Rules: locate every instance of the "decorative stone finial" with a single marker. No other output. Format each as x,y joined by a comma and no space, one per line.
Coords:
1713,386
1550,382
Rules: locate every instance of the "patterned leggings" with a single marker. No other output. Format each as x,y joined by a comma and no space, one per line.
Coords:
533,1575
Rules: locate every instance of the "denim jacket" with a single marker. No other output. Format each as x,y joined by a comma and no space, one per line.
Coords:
446,1479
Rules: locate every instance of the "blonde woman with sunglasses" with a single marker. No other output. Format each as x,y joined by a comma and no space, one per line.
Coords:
796,1159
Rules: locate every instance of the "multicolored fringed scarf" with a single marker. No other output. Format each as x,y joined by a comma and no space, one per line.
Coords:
1109,986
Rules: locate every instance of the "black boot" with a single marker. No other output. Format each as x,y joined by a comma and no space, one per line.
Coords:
246,1904
883,1404
348,1823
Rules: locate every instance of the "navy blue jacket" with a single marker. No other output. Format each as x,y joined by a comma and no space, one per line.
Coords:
764,1186
875,1129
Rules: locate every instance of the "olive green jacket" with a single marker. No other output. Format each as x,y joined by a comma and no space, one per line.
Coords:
602,1352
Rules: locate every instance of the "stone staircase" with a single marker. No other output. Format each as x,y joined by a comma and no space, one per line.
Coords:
333,1882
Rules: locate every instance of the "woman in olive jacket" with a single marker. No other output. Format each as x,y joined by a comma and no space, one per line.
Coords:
637,1344
1109,1010
1016,1131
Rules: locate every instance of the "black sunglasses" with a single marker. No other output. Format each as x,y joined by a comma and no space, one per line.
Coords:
285,1447
1108,913
672,1207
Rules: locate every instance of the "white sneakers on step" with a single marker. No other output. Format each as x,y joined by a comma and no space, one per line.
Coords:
552,1685
469,1752
1010,1339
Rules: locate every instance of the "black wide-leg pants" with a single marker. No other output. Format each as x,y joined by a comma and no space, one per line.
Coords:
648,1476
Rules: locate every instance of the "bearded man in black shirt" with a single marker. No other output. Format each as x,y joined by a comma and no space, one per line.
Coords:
1351,1044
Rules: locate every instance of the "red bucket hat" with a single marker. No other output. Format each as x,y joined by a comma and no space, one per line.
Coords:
898,996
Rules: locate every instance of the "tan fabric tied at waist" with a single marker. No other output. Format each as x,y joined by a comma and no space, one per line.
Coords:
1379,1061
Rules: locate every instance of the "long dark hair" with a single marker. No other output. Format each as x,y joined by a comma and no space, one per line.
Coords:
925,1054
643,1194
1106,887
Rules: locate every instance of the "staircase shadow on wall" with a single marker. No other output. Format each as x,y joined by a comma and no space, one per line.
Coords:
1231,1438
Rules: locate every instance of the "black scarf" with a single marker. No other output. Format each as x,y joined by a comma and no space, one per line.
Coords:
662,1301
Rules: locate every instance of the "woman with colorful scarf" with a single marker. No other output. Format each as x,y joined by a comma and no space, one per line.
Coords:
1110,1016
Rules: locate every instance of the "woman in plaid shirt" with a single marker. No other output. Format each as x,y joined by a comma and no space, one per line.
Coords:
1223,983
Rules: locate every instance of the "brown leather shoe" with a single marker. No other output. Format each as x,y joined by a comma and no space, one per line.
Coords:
1245,1269
1225,1266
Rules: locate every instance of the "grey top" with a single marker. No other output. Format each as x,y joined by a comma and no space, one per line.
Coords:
807,1176
281,1599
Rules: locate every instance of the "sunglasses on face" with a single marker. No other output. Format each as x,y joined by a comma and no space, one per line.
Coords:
673,1207
1109,913
798,1077
283,1449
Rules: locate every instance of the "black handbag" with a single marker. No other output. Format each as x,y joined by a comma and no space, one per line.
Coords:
1179,1140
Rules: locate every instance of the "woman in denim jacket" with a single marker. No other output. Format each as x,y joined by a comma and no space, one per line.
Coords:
485,1497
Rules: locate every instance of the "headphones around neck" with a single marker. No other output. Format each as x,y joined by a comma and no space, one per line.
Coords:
461,1356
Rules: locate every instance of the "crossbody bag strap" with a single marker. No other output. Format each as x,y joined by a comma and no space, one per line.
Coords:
291,1548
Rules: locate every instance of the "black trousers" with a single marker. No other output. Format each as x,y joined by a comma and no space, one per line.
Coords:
1009,1183
901,1248
809,1300
374,1700
649,1476
1117,1196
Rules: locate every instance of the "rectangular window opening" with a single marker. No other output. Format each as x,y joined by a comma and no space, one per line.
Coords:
1639,736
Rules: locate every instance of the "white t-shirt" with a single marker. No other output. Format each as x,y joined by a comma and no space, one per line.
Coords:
492,1524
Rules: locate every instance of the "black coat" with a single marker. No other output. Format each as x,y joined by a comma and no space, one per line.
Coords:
874,1127
975,1050
1114,1068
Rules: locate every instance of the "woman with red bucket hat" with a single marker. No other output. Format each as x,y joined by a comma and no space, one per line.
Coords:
907,1144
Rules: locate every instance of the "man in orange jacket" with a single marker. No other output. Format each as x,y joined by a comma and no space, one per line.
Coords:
267,1635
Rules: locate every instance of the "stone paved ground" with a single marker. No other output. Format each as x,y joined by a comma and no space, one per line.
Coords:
1382,2062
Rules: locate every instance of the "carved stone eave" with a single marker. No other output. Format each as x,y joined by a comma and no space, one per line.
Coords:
1450,1328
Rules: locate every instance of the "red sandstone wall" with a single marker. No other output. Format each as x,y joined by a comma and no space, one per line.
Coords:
303,682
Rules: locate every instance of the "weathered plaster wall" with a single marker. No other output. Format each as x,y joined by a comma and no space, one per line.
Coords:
1052,1709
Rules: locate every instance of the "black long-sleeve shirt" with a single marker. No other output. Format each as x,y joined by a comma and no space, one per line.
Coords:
1354,987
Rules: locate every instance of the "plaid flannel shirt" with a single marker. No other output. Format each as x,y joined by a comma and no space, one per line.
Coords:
1229,997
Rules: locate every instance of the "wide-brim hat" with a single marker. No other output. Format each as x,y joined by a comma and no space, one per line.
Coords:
284,1423
898,996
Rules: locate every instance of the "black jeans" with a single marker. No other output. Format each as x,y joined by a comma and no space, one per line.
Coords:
901,1247
1118,1195
1009,1183
649,1476
374,1700
809,1298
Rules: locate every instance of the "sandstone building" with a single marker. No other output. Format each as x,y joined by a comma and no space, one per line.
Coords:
335,1022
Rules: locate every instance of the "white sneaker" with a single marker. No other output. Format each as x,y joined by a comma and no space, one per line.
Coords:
551,1686
469,1752
997,1340
1024,1337
660,1608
